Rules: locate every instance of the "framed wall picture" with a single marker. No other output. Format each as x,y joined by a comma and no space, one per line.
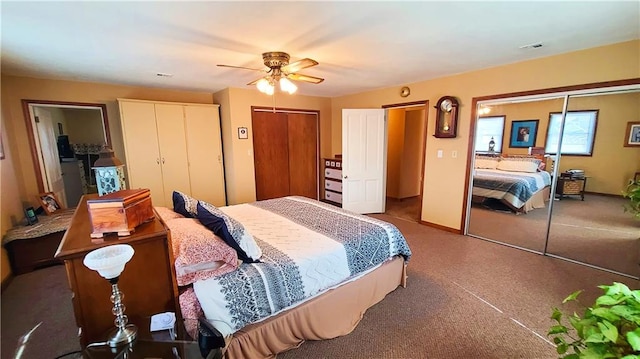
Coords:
49,202
523,133
243,133
632,135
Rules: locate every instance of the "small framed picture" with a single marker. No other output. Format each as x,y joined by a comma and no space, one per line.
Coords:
243,133
523,133
49,202
632,135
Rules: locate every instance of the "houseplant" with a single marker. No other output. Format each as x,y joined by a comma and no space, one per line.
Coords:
632,192
610,328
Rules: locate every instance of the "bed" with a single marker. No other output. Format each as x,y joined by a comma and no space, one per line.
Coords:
314,272
517,181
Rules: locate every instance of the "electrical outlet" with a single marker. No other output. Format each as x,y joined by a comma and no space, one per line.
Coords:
440,153
454,154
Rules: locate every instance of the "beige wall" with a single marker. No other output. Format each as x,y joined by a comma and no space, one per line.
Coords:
414,137
444,177
236,112
84,126
395,146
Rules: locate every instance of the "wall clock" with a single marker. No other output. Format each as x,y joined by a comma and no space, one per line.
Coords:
446,117
405,91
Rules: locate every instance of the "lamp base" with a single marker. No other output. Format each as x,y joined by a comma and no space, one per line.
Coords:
122,336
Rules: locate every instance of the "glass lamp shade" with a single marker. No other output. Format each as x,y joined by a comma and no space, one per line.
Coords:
109,261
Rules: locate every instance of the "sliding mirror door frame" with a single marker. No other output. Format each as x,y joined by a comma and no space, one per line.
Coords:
542,94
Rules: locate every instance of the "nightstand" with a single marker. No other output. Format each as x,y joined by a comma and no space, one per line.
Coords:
569,185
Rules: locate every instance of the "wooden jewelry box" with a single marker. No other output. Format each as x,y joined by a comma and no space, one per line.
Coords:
120,212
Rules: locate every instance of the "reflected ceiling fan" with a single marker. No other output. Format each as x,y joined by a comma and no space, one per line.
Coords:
281,71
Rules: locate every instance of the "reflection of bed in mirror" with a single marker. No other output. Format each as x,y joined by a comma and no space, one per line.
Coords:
517,182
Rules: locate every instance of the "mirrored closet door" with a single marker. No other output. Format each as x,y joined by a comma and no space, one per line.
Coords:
548,172
589,223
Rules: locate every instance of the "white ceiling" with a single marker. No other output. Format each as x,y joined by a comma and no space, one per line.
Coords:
360,45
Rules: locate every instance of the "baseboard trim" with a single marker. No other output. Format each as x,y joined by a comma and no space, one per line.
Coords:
604,194
6,282
441,227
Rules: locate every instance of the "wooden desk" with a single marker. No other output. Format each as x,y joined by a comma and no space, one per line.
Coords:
148,281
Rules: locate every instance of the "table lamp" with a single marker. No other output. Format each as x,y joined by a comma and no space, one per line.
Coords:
109,262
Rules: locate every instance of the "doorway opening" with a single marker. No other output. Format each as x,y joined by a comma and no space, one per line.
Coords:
406,144
66,139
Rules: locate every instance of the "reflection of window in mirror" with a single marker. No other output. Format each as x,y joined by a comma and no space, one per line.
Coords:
487,129
578,135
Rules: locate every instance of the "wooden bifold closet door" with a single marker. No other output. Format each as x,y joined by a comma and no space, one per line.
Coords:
285,147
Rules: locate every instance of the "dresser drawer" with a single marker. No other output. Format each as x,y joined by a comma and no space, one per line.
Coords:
333,185
333,197
333,173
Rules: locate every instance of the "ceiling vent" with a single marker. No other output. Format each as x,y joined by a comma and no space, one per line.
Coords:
532,46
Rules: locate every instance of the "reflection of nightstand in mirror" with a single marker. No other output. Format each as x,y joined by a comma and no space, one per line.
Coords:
570,185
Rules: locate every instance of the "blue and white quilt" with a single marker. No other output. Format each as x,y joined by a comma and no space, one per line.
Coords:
515,188
307,247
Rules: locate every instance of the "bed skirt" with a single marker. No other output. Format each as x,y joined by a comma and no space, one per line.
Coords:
537,200
334,313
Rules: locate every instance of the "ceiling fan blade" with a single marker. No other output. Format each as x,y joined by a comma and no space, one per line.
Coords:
240,67
305,78
254,82
298,65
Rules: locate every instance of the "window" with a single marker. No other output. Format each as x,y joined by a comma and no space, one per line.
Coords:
579,133
486,129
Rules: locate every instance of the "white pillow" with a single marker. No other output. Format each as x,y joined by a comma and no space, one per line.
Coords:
517,166
485,162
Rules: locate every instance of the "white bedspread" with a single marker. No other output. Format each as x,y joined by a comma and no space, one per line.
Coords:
298,263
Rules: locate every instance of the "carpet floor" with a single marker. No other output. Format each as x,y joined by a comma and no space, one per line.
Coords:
465,298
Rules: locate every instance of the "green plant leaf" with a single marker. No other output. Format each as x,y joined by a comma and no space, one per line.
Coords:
634,339
556,315
608,330
571,356
636,295
615,289
596,338
572,296
624,311
592,353
562,348
605,313
557,329
607,300
630,356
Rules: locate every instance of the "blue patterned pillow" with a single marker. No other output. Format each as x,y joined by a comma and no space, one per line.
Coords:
185,205
230,230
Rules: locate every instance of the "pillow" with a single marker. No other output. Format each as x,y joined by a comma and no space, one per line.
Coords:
167,213
486,162
184,204
518,165
230,230
199,254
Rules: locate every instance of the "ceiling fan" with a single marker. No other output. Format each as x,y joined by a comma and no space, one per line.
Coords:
281,71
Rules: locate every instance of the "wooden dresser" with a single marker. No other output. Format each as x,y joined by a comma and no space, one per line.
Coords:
333,181
148,281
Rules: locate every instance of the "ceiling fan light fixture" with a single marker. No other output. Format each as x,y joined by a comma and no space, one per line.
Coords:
287,86
265,86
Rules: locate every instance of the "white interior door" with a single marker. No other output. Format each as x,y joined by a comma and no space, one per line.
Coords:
364,161
49,154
